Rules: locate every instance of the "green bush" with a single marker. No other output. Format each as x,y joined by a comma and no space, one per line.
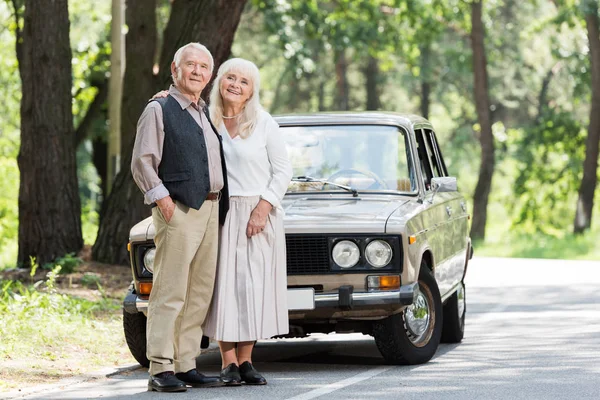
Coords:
90,280
68,263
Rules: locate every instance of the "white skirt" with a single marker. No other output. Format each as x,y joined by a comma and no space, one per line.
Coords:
250,297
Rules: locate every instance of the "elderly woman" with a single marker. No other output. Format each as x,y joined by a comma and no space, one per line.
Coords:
249,301
250,297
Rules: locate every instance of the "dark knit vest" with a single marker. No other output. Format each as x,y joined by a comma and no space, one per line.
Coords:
184,164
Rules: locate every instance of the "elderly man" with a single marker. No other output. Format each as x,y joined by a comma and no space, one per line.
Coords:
178,164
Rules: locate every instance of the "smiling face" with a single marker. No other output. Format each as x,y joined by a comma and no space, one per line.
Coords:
235,88
193,73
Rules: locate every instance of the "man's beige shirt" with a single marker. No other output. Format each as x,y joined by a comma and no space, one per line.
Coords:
148,147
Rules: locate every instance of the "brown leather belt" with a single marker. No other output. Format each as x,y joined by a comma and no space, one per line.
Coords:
214,196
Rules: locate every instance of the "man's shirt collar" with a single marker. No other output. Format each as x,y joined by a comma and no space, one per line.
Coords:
183,100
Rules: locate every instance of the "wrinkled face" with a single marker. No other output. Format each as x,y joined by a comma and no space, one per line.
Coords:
235,88
193,73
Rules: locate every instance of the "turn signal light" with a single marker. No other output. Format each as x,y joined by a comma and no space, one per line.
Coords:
129,246
412,239
145,288
383,282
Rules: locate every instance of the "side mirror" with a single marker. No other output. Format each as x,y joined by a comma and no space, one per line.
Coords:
443,184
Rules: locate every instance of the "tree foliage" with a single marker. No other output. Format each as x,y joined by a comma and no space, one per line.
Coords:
399,55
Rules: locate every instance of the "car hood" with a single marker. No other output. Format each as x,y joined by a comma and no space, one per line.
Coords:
319,214
315,214
142,231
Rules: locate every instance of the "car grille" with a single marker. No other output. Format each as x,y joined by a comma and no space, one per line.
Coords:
307,255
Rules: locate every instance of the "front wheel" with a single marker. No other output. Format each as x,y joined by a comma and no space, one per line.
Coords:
134,326
412,336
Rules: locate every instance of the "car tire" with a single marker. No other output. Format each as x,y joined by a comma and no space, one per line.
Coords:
455,310
134,326
412,337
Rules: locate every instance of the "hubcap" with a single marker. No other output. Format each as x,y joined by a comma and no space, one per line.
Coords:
418,318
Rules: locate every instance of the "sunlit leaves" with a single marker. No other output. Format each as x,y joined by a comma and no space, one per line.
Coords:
550,156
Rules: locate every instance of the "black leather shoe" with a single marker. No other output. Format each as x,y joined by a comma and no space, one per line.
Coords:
250,375
165,382
196,379
230,375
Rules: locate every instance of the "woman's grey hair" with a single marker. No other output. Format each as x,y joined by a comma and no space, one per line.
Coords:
252,108
179,54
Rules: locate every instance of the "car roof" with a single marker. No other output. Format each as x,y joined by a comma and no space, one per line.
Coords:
352,118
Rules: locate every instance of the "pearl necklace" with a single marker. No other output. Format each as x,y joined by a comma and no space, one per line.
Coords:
233,116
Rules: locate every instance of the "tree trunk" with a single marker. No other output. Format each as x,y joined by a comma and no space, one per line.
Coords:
115,91
124,207
372,82
211,22
99,158
277,103
321,94
486,138
543,96
342,98
93,112
49,205
585,203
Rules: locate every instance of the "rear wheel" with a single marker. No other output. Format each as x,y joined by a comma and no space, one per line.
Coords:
134,326
413,336
455,310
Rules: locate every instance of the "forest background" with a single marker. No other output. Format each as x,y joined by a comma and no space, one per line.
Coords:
403,55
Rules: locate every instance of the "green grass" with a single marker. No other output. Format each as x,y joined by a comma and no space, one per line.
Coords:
504,240
567,247
60,334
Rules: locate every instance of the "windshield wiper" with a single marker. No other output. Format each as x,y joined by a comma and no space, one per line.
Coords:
311,179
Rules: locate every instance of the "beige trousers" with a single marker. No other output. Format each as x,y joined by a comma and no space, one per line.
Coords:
184,276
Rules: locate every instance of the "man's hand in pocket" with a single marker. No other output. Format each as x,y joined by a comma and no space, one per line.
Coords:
167,207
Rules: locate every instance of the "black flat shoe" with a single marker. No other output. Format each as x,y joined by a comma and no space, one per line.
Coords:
165,382
250,375
196,379
230,375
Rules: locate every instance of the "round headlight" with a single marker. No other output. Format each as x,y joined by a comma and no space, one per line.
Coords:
345,254
378,253
149,259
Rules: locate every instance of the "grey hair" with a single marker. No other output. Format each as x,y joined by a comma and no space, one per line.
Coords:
179,54
252,107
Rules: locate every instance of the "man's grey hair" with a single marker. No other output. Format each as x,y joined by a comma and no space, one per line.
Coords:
194,45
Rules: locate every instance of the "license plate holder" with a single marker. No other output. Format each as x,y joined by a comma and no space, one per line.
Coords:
301,299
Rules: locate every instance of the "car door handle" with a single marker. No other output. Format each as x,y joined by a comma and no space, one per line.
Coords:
449,210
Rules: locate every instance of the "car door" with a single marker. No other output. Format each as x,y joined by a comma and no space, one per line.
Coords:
443,211
455,226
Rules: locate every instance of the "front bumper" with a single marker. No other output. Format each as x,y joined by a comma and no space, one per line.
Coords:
344,299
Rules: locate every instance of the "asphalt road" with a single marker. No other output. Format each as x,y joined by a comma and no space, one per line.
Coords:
532,332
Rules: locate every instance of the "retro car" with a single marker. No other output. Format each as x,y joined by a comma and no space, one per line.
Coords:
376,236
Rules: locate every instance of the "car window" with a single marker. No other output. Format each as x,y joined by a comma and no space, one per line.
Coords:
424,158
431,155
439,164
365,157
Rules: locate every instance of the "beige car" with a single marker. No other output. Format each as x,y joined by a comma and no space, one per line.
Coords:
376,236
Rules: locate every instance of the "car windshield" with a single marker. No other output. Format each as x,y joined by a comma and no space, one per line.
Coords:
361,157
